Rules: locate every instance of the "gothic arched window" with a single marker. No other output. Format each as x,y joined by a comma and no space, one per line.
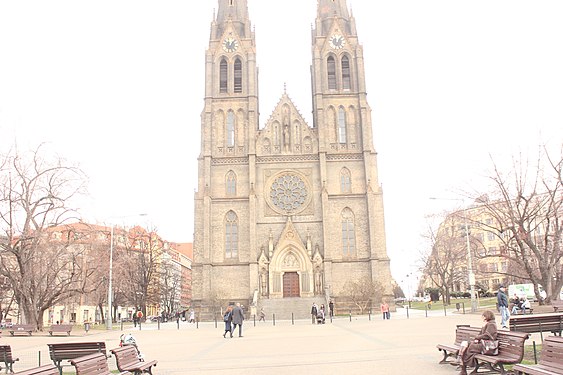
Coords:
231,235
238,76
346,73
348,233
341,125
345,181
331,70
230,129
231,184
223,76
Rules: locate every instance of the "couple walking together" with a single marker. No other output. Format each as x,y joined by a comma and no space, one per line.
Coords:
233,316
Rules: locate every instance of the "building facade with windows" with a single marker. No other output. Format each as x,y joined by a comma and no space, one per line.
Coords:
286,209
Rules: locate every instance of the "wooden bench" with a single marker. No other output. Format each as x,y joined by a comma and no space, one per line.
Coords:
7,358
93,364
511,351
70,350
462,333
550,322
49,369
60,328
525,311
127,359
20,329
551,359
557,305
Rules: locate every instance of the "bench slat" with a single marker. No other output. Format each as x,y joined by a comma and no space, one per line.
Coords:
49,369
127,360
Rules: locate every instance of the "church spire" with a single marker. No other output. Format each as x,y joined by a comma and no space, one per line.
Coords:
235,11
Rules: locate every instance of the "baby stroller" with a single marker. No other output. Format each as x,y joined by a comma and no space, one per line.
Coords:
320,317
128,339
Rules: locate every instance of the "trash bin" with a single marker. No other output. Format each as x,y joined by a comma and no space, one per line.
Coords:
86,327
457,306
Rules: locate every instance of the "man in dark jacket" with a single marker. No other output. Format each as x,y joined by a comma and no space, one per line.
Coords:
238,317
502,301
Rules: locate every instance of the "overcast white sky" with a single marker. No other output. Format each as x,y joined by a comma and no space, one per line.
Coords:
117,86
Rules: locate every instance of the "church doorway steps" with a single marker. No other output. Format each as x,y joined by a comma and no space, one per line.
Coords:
284,307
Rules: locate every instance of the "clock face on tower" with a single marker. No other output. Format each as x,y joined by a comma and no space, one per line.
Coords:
230,44
337,41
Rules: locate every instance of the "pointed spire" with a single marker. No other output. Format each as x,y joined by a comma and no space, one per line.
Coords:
332,8
235,11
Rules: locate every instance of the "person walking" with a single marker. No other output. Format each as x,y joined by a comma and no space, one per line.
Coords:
321,314
385,310
314,311
468,351
262,315
238,317
192,317
502,301
331,308
228,318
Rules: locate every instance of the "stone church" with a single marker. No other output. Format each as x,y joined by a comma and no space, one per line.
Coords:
286,210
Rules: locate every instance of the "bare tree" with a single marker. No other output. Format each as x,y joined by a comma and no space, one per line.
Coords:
363,293
35,195
527,207
444,265
141,267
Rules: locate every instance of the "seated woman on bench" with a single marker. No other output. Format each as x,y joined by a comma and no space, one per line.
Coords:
470,349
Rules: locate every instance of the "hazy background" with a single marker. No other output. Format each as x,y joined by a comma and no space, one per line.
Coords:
117,86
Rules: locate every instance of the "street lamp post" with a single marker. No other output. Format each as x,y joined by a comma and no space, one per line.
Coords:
470,274
109,319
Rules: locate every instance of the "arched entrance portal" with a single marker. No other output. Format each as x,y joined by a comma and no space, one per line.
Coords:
290,284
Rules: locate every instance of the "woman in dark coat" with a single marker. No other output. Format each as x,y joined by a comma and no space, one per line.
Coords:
488,332
228,318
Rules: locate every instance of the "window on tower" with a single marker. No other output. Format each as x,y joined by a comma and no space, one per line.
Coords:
230,129
345,181
223,76
331,69
231,183
346,85
348,233
238,76
341,125
231,235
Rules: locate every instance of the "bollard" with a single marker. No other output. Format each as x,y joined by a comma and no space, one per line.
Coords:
197,323
426,310
86,327
274,319
38,358
369,315
139,324
445,314
178,323
535,353
350,315
463,306
331,318
407,312
158,324
292,322
254,317
215,318
122,325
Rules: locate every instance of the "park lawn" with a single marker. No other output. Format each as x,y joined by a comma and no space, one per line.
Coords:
482,304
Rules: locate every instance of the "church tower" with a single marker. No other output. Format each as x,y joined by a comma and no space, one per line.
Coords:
286,212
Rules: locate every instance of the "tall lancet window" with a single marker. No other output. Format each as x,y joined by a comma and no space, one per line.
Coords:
238,76
230,129
348,233
346,73
231,184
223,76
231,235
345,181
331,70
341,125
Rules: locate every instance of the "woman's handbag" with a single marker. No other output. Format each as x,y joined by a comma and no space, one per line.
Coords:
489,347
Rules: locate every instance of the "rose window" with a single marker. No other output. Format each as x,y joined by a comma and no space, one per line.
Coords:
288,192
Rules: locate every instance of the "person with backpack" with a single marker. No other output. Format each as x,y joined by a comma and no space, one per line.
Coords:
228,318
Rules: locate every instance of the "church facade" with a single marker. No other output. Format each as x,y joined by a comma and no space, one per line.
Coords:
286,209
